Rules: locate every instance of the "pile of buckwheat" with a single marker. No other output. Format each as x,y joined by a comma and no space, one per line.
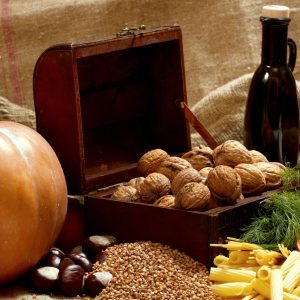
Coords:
152,271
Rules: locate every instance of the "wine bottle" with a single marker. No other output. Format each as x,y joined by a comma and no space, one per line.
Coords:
271,123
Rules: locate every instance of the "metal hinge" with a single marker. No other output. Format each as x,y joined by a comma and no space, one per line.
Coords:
131,31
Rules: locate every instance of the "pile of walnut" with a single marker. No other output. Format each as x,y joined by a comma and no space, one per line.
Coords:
202,178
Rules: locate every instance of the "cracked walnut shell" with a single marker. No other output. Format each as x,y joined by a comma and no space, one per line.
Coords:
253,179
171,166
193,196
166,201
183,177
154,186
198,159
257,156
231,153
271,172
125,193
151,160
225,183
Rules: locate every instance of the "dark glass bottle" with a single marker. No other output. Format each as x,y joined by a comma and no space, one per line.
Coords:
271,123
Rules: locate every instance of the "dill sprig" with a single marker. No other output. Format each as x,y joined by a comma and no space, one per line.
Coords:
277,222
291,178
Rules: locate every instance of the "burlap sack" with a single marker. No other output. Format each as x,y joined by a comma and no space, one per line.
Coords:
221,39
222,111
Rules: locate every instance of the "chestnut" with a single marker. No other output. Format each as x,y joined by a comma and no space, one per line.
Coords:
44,279
100,257
53,260
94,244
66,262
56,251
96,282
71,280
82,260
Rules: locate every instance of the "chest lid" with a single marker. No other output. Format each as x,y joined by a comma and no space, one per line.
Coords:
103,104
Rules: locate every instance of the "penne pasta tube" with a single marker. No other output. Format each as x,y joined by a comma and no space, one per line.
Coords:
232,289
276,284
258,297
264,273
296,291
262,287
220,260
288,296
292,277
250,296
287,264
231,275
238,257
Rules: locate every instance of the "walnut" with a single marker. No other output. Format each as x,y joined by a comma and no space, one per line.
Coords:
231,153
185,176
154,186
257,156
198,159
151,160
125,193
135,182
171,166
225,183
253,179
192,196
271,172
166,201
204,172
205,150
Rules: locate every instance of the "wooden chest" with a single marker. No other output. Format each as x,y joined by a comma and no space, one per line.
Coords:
101,105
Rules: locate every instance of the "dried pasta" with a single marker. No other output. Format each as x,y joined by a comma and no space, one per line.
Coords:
276,284
230,275
232,289
252,273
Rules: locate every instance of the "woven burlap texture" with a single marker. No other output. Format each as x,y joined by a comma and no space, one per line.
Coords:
221,39
222,111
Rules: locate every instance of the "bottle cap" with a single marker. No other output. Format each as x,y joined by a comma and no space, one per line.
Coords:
275,11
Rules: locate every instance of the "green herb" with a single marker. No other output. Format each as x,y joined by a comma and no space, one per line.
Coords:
278,222
291,178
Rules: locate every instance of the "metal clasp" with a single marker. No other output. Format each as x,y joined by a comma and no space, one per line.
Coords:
131,31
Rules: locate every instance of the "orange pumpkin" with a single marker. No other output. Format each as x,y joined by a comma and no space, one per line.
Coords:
33,199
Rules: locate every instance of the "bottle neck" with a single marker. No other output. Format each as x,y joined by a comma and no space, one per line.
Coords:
274,41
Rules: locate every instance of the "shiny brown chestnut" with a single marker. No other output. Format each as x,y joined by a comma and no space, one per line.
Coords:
44,279
56,251
82,260
96,282
66,262
70,280
53,260
94,244
100,257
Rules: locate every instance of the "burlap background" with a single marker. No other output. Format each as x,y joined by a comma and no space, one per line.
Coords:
221,39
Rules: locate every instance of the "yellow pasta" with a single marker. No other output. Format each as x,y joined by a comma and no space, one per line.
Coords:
296,291
220,260
288,296
264,273
292,277
232,289
250,296
267,257
262,287
238,257
258,297
276,284
233,245
229,275
289,262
